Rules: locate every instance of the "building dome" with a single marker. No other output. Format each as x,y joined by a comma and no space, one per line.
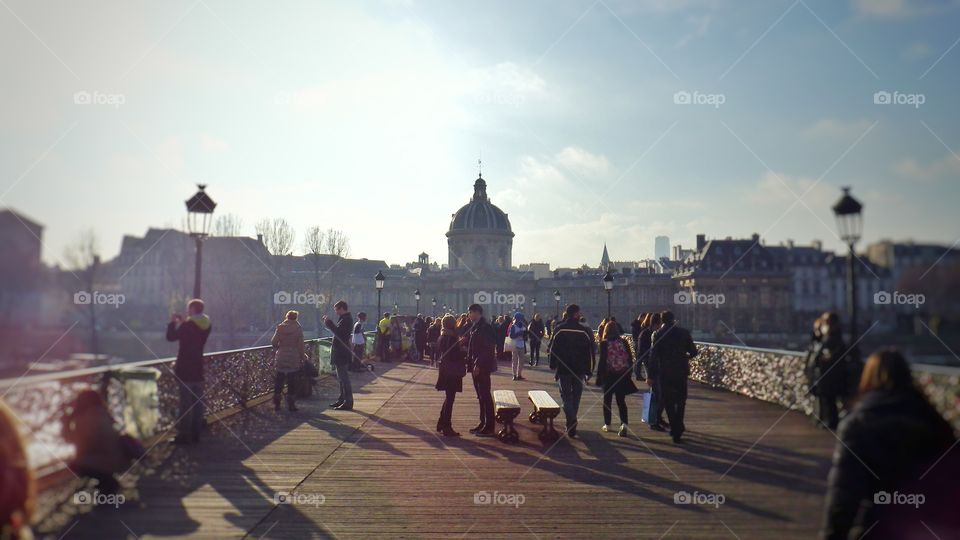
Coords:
480,215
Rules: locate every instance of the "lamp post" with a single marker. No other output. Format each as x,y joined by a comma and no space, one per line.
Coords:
534,307
379,281
608,286
556,296
396,308
849,214
433,305
416,295
199,218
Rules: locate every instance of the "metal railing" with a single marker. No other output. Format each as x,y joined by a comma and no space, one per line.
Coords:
142,396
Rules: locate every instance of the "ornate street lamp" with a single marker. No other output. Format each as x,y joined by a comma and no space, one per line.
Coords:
199,218
534,307
849,214
433,304
556,296
396,308
608,286
416,295
379,280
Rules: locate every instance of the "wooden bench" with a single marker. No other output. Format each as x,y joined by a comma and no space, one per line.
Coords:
545,409
506,409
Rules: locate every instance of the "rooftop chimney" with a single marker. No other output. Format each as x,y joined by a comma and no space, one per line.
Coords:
260,239
701,241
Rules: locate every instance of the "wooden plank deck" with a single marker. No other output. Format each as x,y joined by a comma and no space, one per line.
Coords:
381,471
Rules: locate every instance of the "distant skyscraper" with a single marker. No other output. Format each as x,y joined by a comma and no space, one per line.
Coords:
661,247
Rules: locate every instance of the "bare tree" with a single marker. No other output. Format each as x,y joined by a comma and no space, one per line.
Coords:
83,259
278,236
336,243
228,225
313,247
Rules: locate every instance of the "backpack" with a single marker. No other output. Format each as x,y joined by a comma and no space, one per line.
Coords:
516,331
618,357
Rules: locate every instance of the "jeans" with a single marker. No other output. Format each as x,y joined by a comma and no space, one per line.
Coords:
191,410
673,396
534,352
621,406
571,388
282,379
482,385
346,390
446,412
518,358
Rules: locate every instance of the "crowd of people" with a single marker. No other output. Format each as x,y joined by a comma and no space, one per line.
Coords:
888,432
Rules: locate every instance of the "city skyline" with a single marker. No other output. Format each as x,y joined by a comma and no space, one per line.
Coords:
119,113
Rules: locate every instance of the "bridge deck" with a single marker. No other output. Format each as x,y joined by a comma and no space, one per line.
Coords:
382,471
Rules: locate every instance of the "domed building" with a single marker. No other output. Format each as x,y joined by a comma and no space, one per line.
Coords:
480,237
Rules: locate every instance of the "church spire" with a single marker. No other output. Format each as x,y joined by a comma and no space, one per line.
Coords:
605,260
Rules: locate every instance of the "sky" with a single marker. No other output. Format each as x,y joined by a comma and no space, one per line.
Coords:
596,121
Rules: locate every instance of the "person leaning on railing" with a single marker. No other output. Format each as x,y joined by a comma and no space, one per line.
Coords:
290,355
17,486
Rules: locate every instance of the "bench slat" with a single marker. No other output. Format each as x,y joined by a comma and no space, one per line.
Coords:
542,400
505,399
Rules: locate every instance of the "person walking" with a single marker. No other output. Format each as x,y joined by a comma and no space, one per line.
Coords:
570,354
396,338
453,368
829,369
433,337
671,349
289,354
613,374
420,336
341,353
517,332
481,338
536,332
383,338
890,443
654,418
636,326
191,335
359,342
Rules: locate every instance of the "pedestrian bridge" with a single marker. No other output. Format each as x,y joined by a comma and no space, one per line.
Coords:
749,469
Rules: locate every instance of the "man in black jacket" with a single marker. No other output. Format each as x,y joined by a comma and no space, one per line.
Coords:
482,362
192,335
570,355
420,336
341,353
671,349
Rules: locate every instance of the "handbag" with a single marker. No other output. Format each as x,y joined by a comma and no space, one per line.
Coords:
508,345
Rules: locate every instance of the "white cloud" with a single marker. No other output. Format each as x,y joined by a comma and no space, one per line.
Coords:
836,129
916,51
701,23
775,188
898,9
583,163
946,167
209,143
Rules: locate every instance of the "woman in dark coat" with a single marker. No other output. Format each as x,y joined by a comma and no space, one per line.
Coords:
894,467
453,368
829,370
613,374
651,323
